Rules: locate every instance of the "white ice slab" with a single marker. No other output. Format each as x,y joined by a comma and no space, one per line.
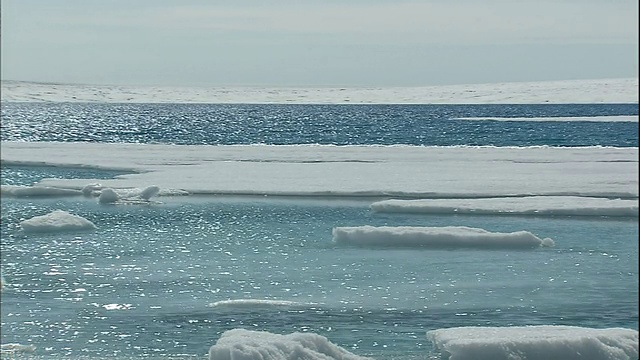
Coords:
240,344
528,205
56,221
535,343
436,237
314,170
621,118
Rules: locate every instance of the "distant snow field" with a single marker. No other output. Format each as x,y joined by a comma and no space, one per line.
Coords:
568,92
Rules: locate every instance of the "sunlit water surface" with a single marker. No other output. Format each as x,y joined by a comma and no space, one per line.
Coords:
143,284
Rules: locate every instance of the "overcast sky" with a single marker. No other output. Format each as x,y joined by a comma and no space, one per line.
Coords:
317,42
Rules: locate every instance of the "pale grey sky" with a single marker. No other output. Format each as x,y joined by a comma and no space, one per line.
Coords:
317,42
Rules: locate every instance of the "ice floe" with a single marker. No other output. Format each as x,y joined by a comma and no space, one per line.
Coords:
257,303
436,237
528,205
56,221
241,344
535,343
357,171
32,191
613,118
15,349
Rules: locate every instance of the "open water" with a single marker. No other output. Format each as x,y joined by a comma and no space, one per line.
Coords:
152,281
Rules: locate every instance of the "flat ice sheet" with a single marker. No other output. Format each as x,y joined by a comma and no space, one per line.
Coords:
621,118
528,205
623,90
535,343
314,170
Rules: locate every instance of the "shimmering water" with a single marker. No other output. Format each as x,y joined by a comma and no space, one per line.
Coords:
315,124
142,285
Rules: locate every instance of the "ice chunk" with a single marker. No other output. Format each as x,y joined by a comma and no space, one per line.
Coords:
535,343
91,189
240,344
56,221
108,196
448,236
149,192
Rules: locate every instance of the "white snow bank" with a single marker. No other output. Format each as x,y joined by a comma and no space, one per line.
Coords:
29,191
624,90
315,170
535,343
621,118
56,221
529,205
240,344
439,237
260,303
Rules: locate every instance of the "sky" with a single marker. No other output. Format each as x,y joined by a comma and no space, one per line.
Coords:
354,43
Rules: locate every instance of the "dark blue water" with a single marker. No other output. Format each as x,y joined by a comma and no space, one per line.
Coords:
27,175
284,124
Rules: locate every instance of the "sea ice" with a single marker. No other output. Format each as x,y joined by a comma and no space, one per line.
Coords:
619,118
257,303
439,237
380,171
535,343
241,344
149,192
13,349
126,196
623,90
56,221
92,189
527,205
108,196
28,191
